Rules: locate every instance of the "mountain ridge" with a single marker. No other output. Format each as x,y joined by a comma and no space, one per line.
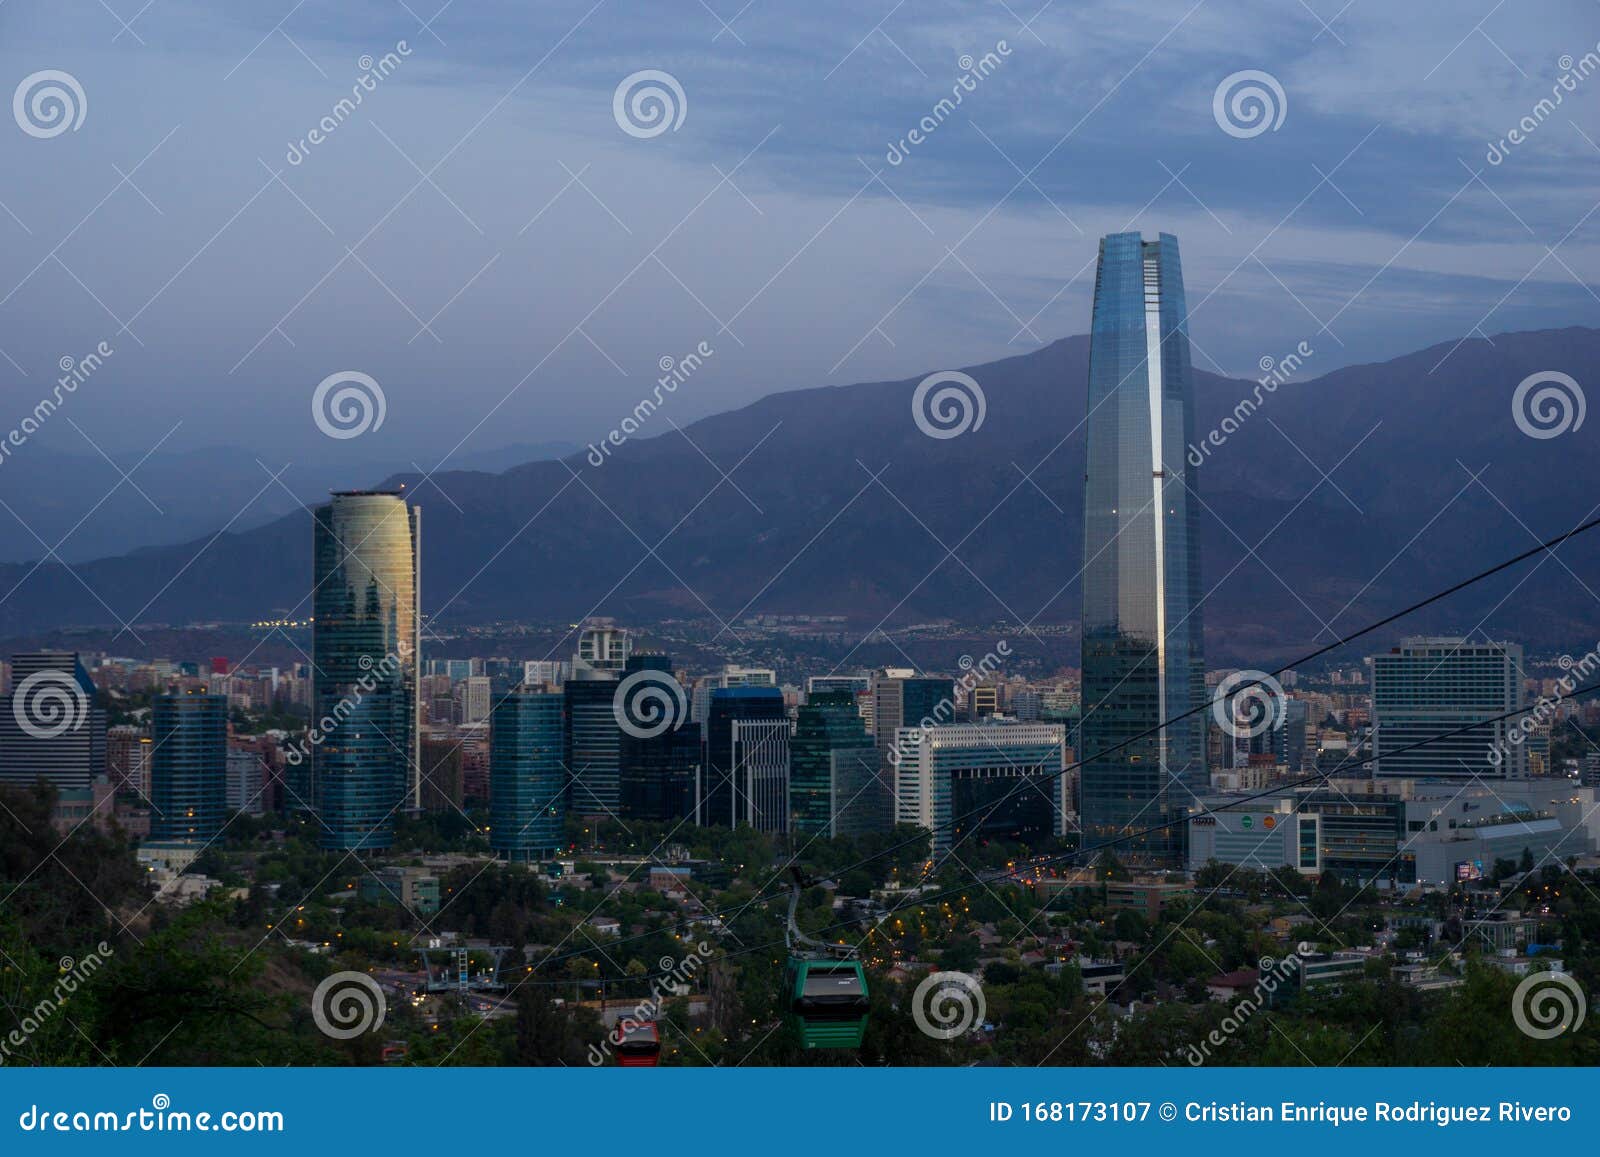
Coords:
1341,497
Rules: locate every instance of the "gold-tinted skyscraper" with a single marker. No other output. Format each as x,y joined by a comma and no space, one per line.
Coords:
365,746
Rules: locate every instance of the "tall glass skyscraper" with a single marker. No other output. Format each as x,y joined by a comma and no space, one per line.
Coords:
527,774
747,737
834,785
594,743
1143,654
365,746
188,767
659,761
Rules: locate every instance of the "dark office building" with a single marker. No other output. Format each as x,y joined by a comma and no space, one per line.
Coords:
660,775
527,779
724,779
834,785
911,701
988,807
443,780
594,743
50,728
660,748
188,767
1362,839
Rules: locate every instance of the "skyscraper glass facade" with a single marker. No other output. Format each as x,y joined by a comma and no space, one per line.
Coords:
1143,659
364,649
527,774
188,767
828,724
594,743
724,795
658,767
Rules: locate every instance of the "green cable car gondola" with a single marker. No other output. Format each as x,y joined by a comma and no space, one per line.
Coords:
825,987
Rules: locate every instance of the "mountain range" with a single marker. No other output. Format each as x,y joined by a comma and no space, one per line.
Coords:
1336,499
92,502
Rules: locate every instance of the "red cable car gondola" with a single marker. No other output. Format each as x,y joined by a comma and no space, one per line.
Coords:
638,1043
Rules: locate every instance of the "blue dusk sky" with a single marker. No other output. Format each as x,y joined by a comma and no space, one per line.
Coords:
484,237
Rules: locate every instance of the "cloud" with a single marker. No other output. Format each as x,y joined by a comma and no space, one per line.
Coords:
528,283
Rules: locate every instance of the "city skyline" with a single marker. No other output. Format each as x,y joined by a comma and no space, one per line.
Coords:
881,606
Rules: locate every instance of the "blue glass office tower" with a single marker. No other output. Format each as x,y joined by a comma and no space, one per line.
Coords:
594,743
834,785
188,767
725,796
527,774
365,742
1143,659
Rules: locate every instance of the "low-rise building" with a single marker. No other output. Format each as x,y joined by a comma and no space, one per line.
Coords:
1102,976
1424,977
1501,931
1395,833
415,889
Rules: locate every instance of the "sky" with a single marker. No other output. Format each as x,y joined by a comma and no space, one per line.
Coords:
485,239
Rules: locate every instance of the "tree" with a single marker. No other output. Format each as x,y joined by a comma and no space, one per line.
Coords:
960,954
1130,925
1111,868
856,883
551,1034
